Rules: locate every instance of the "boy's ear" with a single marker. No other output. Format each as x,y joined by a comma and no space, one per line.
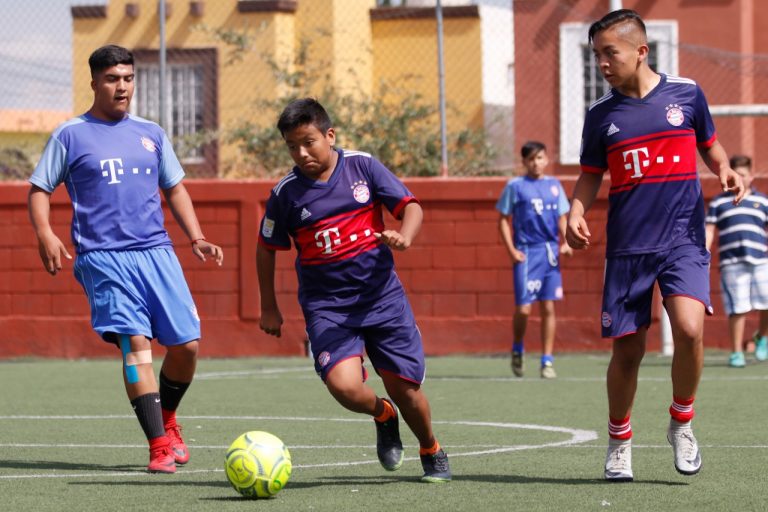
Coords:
331,136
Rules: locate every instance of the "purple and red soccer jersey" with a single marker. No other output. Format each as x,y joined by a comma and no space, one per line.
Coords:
649,145
343,269
656,208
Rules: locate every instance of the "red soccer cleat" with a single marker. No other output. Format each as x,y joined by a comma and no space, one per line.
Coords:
177,446
161,460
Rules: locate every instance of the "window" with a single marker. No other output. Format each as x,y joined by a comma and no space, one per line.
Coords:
191,108
581,83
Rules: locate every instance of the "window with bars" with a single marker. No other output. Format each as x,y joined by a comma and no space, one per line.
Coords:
190,110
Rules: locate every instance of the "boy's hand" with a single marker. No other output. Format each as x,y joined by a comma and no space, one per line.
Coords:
393,239
271,322
202,247
51,250
730,181
565,249
517,256
577,233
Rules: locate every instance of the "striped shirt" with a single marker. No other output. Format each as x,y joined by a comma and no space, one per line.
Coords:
741,228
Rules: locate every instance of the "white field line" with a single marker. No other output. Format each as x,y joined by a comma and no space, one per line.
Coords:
575,436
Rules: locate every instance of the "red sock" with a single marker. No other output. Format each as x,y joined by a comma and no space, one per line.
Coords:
681,409
431,450
387,413
158,442
619,429
168,417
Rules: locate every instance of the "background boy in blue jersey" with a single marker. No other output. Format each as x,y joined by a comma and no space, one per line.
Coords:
112,164
352,300
743,254
646,131
537,206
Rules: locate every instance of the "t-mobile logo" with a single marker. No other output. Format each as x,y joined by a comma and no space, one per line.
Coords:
114,168
538,205
636,160
328,241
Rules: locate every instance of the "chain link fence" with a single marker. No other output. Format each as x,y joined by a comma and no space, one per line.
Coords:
514,70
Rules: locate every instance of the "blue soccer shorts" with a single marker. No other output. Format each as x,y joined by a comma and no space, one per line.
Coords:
629,280
538,277
139,292
392,341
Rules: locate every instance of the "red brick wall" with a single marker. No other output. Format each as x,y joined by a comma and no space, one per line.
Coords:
458,277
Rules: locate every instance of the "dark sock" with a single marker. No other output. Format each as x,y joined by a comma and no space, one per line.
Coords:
147,409
171,392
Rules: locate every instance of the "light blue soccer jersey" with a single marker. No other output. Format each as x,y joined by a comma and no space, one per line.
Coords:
112,171
535,206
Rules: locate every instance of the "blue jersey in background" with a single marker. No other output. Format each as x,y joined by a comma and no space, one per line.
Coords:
535,206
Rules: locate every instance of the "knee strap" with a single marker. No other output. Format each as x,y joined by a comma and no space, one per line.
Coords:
131,359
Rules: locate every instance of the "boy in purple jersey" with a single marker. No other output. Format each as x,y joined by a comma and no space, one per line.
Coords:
645,131
537,206
330,206
112,165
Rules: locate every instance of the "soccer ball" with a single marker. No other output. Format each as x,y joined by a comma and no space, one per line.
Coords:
258,464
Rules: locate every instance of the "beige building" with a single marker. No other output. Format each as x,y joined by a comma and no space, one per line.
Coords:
222,57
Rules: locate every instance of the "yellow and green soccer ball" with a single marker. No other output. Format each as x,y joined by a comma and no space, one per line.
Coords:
258,464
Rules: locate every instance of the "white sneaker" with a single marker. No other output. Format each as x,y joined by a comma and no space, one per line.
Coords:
687,455
618,460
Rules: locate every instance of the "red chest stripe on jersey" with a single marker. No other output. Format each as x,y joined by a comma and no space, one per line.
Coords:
652,160
341,237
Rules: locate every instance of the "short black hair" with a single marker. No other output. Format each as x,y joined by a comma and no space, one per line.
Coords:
302,112
108,56
614,18
740,161
531,147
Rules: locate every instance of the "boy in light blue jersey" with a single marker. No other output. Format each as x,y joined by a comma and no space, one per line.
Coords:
537,205
743,254
112,165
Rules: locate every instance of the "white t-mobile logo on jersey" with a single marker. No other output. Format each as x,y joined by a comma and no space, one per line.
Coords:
538,205
115,169
639,159
327,241
636,164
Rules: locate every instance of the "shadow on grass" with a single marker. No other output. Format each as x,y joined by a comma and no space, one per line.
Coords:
65,466
520,479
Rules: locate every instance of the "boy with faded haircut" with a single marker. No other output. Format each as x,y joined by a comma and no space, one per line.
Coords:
743,254
330,206
646,131
537,206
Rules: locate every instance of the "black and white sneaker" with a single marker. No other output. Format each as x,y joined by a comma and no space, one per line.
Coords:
389,447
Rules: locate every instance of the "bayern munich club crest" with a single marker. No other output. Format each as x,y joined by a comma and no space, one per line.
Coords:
606,319
360,192
323,359
148,144
554,190
675,115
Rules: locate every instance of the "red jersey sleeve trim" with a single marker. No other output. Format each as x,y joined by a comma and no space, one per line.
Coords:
707,143
398,210
592,170
272,247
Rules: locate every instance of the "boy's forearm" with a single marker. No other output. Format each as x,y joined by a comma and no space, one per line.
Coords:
265,270
183,211
39,204
506,233
715,158
413,216
585,192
